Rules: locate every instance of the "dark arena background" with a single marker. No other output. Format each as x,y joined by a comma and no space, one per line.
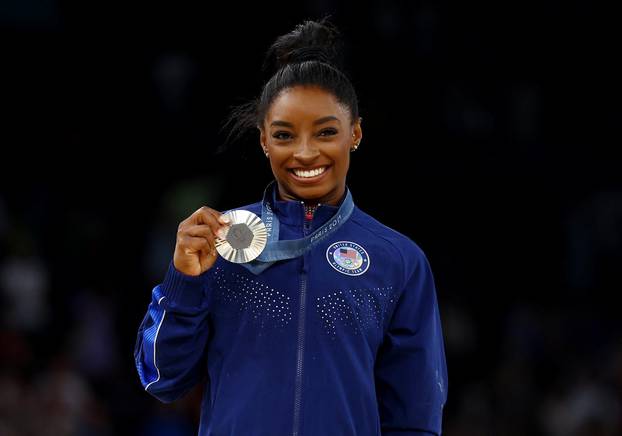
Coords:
491,136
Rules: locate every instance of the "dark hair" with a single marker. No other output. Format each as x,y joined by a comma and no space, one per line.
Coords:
308,55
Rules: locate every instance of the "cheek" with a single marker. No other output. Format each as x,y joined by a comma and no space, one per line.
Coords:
342,159
345,151
277,159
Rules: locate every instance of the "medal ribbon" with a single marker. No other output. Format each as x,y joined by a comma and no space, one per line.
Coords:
276,250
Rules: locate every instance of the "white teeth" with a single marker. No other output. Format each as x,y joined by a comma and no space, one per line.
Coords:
312,173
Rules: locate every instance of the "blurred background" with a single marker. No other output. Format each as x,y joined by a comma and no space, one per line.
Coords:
495,124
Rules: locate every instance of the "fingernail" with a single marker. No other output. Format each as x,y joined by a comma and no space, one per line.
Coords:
225,219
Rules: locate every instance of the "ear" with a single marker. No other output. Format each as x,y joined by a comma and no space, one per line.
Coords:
262,140
357,131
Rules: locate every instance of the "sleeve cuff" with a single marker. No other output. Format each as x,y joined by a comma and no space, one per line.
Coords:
183,290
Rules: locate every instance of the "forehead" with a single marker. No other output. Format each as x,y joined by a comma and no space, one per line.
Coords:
303,103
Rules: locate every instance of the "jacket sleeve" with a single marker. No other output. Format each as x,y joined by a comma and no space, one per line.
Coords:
410,370
170,351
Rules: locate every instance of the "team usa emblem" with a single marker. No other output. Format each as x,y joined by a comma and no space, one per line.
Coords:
348,258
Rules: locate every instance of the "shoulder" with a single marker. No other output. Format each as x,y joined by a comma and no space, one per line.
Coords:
408,250
375,228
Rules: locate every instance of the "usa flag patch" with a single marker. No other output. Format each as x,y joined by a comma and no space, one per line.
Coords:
348,258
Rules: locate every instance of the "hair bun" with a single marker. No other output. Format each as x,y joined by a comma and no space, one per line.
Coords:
309,41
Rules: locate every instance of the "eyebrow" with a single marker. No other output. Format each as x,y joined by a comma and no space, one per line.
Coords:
316,122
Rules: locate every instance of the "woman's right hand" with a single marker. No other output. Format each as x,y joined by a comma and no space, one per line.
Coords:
195,248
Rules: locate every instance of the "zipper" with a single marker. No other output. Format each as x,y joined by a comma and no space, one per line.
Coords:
301,332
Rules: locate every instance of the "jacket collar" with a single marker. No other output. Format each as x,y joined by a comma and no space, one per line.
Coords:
292,212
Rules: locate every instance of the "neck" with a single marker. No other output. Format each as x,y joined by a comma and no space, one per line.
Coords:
333,198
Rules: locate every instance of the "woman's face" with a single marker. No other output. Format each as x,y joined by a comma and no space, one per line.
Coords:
308,135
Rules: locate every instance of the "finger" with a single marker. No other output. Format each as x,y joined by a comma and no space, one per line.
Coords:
205,231
199,230
193,244
208,216
223,222
202,215
224,219
221,218
201,218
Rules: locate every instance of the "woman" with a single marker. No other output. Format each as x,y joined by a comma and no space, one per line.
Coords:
341,338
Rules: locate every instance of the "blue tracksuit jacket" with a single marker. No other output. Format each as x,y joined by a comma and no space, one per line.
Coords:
344,340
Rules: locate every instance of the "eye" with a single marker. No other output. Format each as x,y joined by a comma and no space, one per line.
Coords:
328,132
281,135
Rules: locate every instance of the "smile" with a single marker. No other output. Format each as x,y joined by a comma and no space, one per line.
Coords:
308,174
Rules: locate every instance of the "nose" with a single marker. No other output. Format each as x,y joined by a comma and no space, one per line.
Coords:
306,152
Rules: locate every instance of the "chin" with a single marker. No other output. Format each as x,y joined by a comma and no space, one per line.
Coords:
308,192
312,193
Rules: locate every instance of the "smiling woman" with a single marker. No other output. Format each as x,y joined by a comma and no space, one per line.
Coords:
334,329
307,115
